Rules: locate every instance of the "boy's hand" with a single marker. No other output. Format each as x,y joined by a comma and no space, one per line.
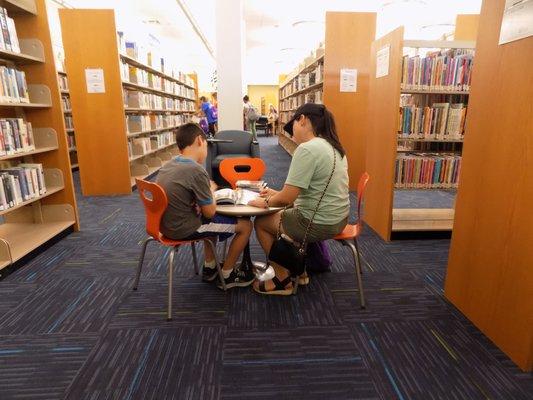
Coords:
259,202
267,192
213,186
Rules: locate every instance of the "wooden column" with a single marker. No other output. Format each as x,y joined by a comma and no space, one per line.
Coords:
349,36
466,26
490,270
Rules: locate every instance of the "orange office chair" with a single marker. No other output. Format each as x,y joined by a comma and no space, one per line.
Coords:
228,169
352,232
154,208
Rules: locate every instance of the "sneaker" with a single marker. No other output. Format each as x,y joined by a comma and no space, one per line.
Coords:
209,274
238,278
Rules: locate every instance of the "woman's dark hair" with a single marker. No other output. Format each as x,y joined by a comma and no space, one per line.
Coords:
324,127
245,98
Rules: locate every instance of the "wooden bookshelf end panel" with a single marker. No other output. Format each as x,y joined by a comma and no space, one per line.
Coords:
382,139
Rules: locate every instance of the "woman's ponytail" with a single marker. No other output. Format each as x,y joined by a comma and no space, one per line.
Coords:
324,127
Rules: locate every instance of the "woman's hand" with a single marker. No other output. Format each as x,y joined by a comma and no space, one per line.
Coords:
259,202
267,192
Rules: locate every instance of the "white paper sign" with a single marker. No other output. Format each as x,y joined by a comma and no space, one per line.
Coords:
382,61
517,22
95,80
348,80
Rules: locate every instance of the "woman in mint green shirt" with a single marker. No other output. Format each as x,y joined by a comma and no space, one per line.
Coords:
319,149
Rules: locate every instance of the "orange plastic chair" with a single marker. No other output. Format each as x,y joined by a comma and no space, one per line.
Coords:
352,232
154,208
228,169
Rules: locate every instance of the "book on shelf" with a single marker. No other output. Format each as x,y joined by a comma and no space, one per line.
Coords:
234,197
16,136
9,38
65,103
13,87
443,121
427,171
63,82
71,140
20,183
143,145
69,122
449,70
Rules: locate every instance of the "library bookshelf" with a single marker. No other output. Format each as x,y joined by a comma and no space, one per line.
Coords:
36,220
489,276
130,124
69,124
317,79
400,157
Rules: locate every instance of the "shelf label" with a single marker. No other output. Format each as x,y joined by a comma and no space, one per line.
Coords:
348,80
382,61
95,80
517,22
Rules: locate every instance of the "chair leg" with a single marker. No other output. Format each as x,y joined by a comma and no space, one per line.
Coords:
170,271
358,273
225,249
219,267
140,265
194,258
358,254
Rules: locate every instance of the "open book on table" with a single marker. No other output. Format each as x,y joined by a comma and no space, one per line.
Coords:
234,197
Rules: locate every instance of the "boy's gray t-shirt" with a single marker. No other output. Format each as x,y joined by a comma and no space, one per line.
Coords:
186,184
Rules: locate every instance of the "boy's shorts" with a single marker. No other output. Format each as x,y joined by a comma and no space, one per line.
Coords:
220,226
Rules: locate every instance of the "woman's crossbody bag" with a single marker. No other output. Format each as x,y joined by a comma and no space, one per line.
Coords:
288,253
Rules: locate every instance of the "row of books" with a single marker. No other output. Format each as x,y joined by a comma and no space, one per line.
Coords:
292,103
8,38
141,123
149,57
440,121
69,123
141,77
440,71
427,171
13,87
304,80
147,101
16,136
71,140
144,145
21,183
65,103
63,82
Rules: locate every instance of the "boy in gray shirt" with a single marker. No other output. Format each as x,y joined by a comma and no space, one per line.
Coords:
190,213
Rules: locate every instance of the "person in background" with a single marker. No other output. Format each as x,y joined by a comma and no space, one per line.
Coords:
211,115
319,152
190,213
250,116
272,119
215,108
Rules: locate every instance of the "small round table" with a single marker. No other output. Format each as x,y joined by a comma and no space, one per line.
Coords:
261,270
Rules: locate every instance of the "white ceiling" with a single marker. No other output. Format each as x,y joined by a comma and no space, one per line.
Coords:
278,33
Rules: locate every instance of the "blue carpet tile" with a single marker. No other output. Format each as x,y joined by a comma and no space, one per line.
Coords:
72,328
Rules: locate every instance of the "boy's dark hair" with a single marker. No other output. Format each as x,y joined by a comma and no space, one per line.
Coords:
187,134
203,98
245,98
